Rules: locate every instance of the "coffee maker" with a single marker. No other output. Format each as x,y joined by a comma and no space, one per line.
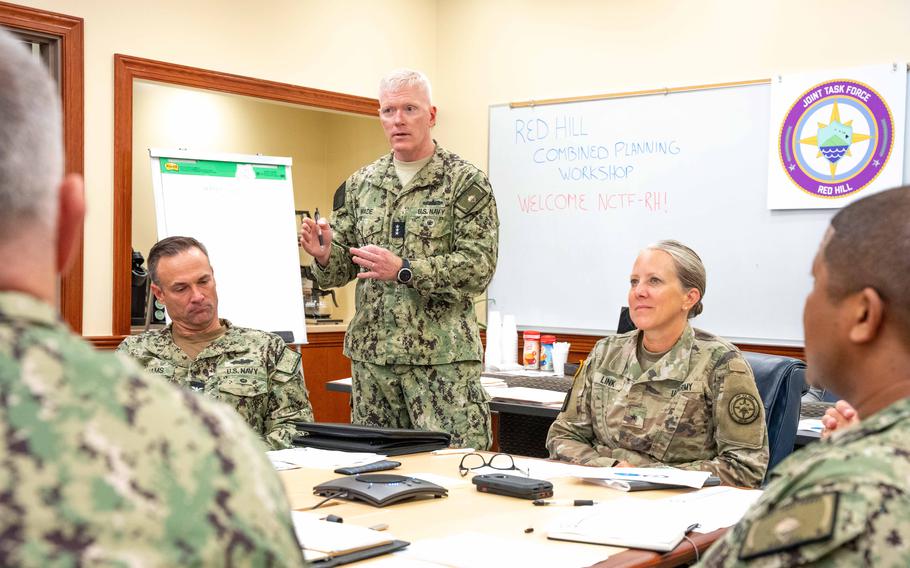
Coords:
315,306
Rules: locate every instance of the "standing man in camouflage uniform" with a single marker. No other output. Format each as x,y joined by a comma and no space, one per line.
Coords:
419,230
666,393
842,502
101,464
251,370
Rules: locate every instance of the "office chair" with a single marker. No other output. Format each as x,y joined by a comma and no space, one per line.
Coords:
779,381
625,321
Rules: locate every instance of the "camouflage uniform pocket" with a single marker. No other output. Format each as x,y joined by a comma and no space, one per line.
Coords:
680,433
426,236
369,230
242,386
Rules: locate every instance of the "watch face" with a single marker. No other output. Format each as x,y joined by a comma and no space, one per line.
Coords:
404,275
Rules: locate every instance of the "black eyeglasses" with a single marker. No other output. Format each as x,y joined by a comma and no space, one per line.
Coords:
502,462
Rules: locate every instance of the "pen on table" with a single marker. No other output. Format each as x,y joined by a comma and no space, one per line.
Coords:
568,502
318,231
451,451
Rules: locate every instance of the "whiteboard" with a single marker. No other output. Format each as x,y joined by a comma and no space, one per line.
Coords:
241,207
582,187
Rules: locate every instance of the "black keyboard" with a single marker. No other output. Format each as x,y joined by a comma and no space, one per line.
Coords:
814,409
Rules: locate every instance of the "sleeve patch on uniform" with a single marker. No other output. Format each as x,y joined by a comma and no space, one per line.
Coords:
804,521
744,408
338,200
738,365
289,362
471,199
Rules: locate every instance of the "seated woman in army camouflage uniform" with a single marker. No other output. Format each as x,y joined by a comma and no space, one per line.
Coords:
665,393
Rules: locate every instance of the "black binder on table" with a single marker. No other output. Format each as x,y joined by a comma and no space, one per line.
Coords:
359,555
355,438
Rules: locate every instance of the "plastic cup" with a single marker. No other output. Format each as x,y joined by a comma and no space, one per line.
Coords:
560,355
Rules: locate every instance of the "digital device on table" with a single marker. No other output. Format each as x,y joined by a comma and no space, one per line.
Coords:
513,486
379,489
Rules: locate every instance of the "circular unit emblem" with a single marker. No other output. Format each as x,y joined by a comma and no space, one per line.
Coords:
744,408
836,138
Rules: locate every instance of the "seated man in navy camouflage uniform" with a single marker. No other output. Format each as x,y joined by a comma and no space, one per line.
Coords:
251,370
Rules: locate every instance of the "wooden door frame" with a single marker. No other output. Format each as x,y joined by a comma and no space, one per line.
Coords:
69,31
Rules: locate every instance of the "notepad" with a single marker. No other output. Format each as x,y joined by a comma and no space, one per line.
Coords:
323,540
638,485
630,523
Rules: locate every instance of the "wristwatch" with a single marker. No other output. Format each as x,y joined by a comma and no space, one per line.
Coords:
405,274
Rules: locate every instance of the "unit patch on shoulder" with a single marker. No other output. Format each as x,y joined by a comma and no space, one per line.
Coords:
338,200
471,199
288,363
804,521
744,408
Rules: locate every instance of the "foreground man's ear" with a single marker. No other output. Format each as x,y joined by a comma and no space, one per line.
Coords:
868,314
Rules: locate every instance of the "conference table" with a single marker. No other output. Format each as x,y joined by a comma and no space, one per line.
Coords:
465,510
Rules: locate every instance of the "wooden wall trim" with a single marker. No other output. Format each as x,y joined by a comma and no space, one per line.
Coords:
324,339
105,342
126,69
70,31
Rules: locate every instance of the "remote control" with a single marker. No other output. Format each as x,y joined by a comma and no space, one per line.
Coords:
367,468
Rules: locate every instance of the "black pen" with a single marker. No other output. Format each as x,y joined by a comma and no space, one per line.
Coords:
318,232
571,502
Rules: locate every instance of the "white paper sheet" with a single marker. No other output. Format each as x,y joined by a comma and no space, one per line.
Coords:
668,475
629,522
323,538
811,424
476,550
320,459
718,507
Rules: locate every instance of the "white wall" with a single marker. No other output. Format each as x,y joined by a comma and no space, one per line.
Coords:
477,52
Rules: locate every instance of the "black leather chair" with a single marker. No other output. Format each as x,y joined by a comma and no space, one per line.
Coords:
780,381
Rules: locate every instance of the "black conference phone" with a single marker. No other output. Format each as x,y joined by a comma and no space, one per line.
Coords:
379,489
